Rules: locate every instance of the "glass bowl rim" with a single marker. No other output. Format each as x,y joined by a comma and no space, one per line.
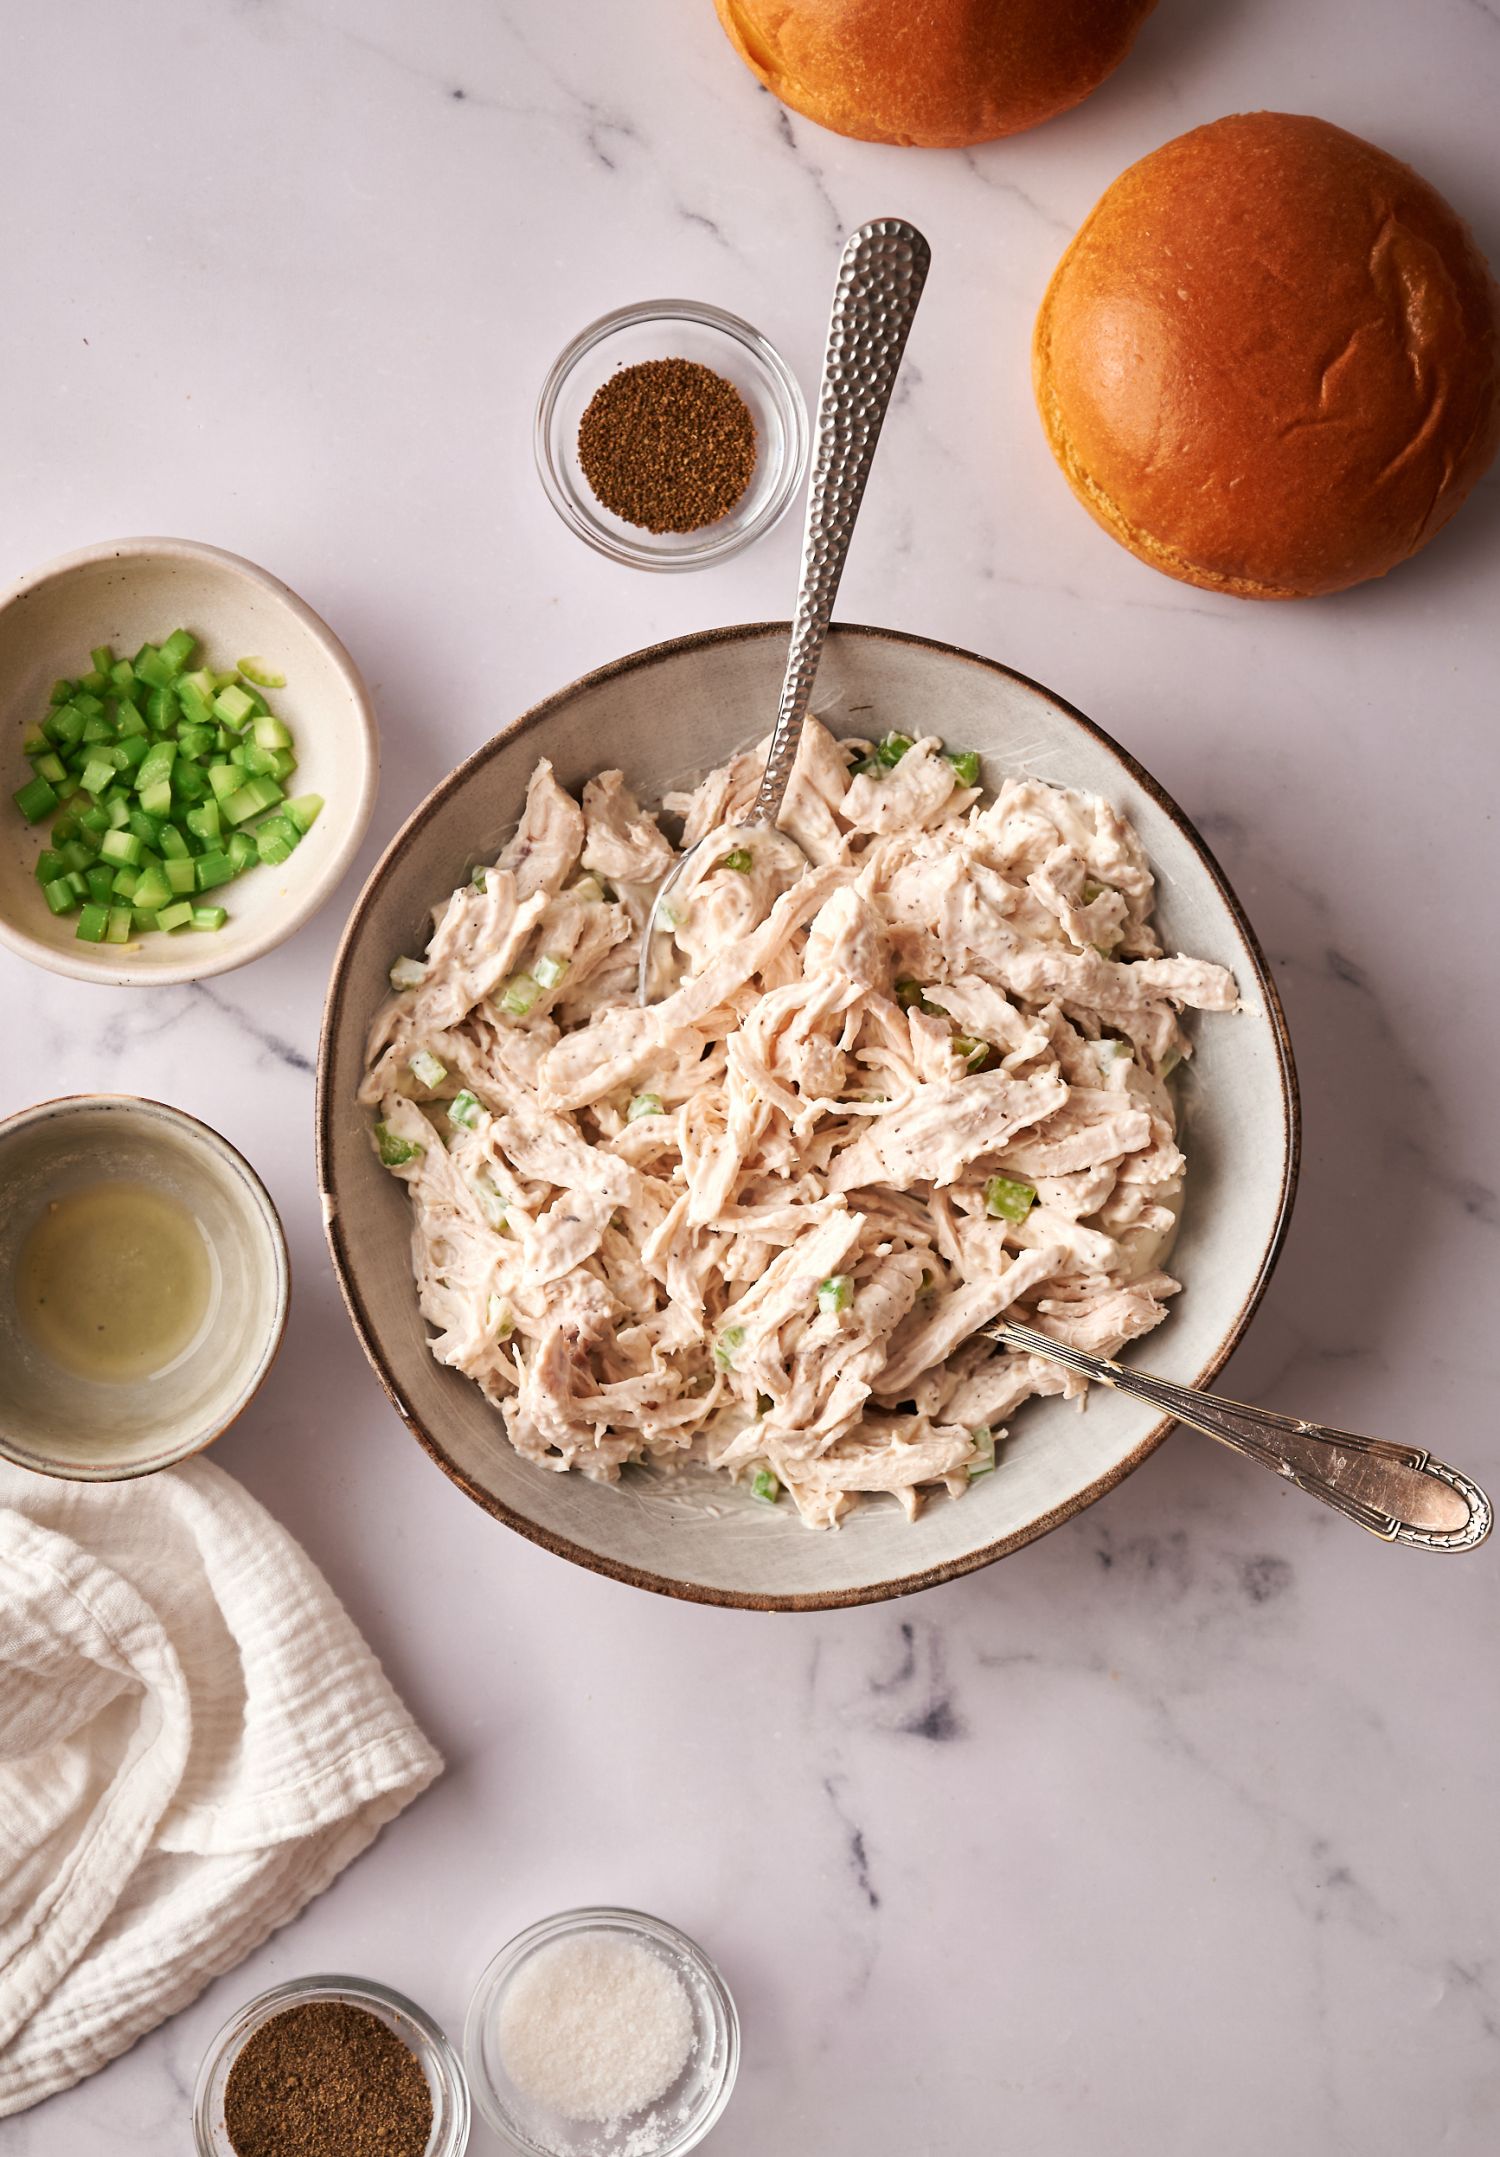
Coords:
359,1992
503,1965
785,388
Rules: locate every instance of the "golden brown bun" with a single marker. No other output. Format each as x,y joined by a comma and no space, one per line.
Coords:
1269,363
937,73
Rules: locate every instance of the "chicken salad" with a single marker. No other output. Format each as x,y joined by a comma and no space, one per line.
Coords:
914,1077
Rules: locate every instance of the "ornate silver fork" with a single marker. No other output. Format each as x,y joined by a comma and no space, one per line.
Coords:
1398,1492
881,275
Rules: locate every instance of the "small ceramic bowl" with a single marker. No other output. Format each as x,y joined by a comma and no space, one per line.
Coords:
417,2030
92,1432
679,2119
127,592
673,329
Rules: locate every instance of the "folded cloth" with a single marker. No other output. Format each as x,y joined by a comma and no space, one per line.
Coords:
194,1740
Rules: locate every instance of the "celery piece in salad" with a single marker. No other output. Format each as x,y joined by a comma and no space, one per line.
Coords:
983,1459
427,1070
407,973
729,1340
1008,1199
548,970
518,995
643,1104
765,1486
835,1294
965,764
893,749
394,1150
492,1201
976,1054
739,858
465,1110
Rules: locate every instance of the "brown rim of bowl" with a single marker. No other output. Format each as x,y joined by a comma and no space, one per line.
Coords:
930,1576
278,1244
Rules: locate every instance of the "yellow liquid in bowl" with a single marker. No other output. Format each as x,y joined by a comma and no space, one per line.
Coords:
115,1281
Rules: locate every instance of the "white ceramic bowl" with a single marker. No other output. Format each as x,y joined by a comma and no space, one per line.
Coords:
665,716
68,1426
127,592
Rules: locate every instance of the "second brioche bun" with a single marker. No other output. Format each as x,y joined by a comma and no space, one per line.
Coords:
1269,363
934,73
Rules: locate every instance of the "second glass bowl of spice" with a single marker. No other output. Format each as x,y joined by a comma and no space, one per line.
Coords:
602,2033
331,2067
670,435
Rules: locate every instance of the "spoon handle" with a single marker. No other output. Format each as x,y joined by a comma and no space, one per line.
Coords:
1398,1492
880,280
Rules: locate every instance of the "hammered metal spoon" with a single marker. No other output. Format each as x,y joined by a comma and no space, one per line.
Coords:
880,280
1398,1492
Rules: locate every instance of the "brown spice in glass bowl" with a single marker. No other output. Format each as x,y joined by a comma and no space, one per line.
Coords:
324,2079
668,445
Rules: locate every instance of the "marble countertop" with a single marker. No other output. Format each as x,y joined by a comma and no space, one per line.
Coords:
1174,1832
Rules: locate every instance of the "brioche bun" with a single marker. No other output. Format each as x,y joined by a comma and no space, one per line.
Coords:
934,73
1269,363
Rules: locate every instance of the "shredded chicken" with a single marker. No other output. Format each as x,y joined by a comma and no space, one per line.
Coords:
765,1224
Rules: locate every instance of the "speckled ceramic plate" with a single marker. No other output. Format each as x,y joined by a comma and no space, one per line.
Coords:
665,715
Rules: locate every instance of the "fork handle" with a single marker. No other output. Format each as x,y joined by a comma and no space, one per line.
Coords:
880,280
1398,1492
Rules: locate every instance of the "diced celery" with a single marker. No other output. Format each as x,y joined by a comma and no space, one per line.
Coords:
1008,1199
965,764
118,931
738,857
518,995
729,1340
303,811
548,971
209,917
121,847
835,1294
394,1150
176,916
892,750
407,973
263,676
644,1104
233,705
428,1070
214,869
765,1486
464,1109
92,924
36,799
983,1459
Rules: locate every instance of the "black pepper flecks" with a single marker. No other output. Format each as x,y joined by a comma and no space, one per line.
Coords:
668,445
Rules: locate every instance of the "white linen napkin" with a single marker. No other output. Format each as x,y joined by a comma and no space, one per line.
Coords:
194,1740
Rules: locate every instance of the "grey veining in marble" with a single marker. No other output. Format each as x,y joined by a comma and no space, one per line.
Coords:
1175,1832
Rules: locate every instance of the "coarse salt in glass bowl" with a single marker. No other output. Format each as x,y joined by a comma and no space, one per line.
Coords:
416,2030
659,330
676,2121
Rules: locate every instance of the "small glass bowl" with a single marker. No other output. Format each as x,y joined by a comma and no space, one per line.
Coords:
417,2030
673,329
679,2120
